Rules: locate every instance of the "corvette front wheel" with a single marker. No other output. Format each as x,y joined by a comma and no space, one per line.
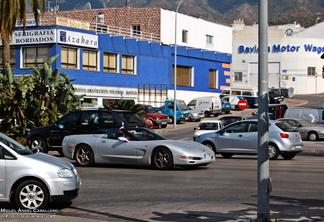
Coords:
162,159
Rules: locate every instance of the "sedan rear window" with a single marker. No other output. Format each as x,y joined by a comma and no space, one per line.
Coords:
285,127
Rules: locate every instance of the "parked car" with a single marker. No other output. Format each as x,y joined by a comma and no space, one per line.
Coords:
158,119
313,115
32,180
211,105
207,126
242,138
85,121
226,106
195,115
233,100
276,111
135,146
226,120
250,93
306,130
275,97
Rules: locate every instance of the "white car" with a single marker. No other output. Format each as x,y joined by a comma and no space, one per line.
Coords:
233,100
207,126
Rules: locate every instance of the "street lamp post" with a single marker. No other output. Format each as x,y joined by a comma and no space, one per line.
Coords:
175,70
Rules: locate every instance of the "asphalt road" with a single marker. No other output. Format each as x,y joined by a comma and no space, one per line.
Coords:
223,191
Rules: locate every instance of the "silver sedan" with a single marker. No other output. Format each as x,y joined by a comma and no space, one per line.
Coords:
138,146
306,130
241,138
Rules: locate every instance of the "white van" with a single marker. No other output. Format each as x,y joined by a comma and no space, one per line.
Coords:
250,93
311,115
208,105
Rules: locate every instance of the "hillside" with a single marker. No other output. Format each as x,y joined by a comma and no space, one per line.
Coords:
304,12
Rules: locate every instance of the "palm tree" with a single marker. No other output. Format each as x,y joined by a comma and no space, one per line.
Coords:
10,12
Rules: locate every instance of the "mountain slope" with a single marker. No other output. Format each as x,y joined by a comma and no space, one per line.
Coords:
218,10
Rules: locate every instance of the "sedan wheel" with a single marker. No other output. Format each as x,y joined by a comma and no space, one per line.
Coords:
162,159
312,136
273,152
38,144
84,156
31,194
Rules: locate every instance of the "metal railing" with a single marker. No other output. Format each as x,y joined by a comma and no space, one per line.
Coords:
100,28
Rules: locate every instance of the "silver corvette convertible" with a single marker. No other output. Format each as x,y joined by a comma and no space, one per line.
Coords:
138,146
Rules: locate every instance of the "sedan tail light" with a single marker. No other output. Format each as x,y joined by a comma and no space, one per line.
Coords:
284,135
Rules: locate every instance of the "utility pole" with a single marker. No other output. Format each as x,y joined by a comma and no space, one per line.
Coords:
264,182
175,69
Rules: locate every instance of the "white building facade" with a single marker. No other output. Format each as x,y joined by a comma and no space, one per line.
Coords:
293,60
195,32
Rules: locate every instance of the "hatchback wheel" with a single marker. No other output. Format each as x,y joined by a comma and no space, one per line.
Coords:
84,156
162,159
210,146
288,156
273,152
31,194
38,143
312,136
227,155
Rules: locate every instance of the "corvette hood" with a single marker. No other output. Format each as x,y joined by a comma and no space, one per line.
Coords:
186,145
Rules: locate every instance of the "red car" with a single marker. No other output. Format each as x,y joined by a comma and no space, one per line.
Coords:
158,118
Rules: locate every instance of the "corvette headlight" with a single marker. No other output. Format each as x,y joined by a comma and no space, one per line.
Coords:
65,173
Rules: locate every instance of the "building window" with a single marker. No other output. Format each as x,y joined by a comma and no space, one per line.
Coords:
184,36
136,30
128,64
311,71
110,62
69,58
209,40
35,56
213,79
12,59
90,59
238,76
184,76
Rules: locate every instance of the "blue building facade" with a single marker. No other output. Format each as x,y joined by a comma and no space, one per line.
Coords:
107,66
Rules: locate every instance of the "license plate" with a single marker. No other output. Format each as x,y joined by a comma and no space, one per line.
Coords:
298,147
186,118
207,157
164,123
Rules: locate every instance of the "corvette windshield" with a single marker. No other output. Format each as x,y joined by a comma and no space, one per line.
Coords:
143,134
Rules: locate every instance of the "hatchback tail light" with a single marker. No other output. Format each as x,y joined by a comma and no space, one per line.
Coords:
284,135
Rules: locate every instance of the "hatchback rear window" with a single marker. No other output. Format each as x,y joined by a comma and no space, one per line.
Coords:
130,118
285,127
